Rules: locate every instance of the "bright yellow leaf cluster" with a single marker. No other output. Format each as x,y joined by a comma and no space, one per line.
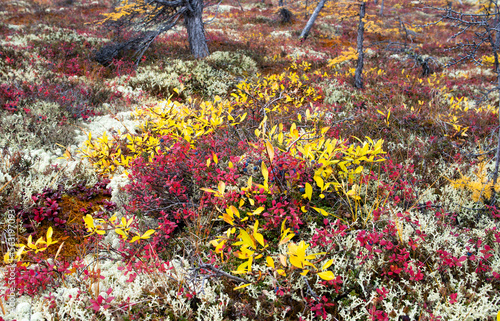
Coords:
481,187
330,155
298,257
39,246
346,55
304,66
251,243
252,246
169,118
127,9
338,166
276,93
121,228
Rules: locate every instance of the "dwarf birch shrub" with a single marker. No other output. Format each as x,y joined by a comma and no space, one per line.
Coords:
268,201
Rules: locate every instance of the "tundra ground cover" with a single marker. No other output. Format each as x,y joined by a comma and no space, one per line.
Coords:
257,184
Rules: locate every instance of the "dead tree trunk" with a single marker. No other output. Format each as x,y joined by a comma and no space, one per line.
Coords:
497,156
313,17
358,76
381,8
195,29
484,29
496,48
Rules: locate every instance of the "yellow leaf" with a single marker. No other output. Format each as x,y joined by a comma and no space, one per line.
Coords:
322,211
228,219
304,273
259,238
216,159
286,238
256,226
221,187
49,233
241,286
258,211
309,191
121,232
273,130
283,226
241,268
6,258
328,275
270,150
246,239
234,210
89,221
219,246
229,211
281,272
147,234
319,181
297,262
265,172
354,192
327,265
270,262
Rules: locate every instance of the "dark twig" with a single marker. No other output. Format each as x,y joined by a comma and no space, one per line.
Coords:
309,290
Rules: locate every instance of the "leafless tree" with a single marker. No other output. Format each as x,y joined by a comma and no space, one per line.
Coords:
147,19
358,75
312,19
478,32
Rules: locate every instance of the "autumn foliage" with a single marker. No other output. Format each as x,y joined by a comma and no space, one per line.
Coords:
256,184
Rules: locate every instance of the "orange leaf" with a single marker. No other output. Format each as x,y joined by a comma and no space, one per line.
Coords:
270,150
